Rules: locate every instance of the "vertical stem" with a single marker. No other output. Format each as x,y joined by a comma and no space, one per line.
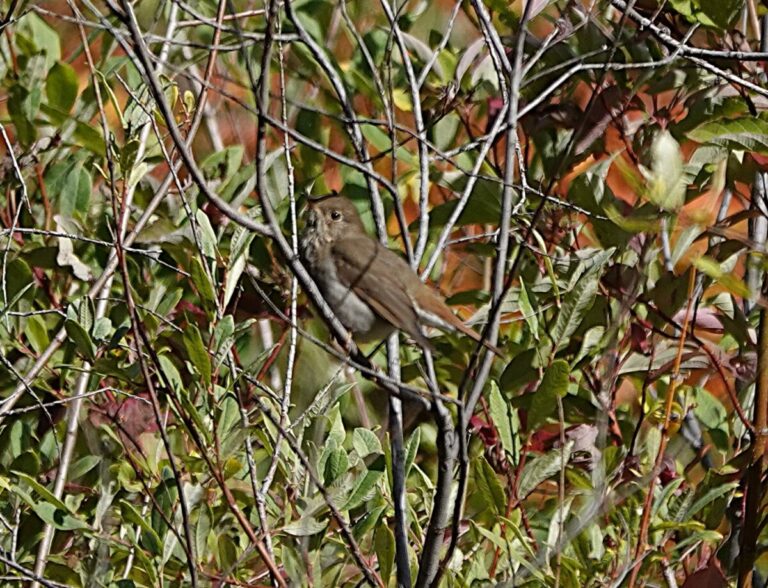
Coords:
647,506
398,469
430,569
752,518
756,470
81,387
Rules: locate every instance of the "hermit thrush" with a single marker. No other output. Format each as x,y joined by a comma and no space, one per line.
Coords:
371,289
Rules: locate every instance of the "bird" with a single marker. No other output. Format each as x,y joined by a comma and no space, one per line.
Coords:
371,289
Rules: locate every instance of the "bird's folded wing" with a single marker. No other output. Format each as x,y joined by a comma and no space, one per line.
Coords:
374,274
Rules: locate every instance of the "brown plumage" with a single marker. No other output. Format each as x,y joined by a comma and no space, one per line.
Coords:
371,289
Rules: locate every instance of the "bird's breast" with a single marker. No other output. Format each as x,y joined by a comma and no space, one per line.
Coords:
353,312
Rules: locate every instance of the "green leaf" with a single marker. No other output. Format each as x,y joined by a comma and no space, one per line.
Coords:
363,489
206,234
90,137
37,333
526,309
305,527
22,108
709,497
728,280
368,522
85,313
445,131
229,416
195,415
76,192
44,493
169,301
483,207
18,296
365,442
688,236
226,551
336,464
222,164
83,465
502,418
575,305
554,384
19,432
55,176
197,353
638,221
61,86
203,529
589,344
519,371
150,538
80,337
58,518
203,283
128,154
19,281
542,468
410,451
384,544
742,134
42,38
223,333
337,433
311,124
136,174
381,141
28,462
489,486
241,240
102,329
708,408
721,13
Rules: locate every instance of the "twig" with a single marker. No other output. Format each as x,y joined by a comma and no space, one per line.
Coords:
647,507
500,280
29,574
73,416
353,127
441,46
61,336
430,569
17,212
370,576
421,133
395,422
753,518
293,313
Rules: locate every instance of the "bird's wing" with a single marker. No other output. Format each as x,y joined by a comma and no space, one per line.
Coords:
375,275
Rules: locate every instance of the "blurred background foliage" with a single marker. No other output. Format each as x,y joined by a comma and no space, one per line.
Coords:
178,431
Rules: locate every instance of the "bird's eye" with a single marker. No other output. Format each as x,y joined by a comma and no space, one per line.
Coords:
335,215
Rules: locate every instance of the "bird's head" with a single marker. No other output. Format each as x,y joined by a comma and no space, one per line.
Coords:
334,216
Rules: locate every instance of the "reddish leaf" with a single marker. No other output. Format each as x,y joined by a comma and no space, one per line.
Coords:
485,431
709,577
639,339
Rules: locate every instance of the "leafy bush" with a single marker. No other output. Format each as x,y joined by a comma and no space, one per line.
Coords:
586,180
